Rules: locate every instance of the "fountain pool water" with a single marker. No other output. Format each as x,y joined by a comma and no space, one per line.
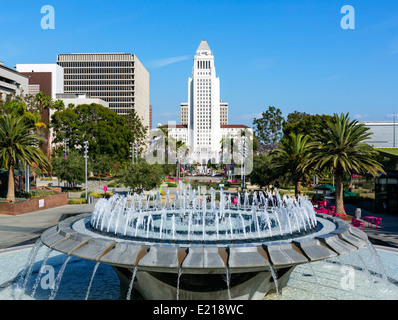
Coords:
191,248
326,284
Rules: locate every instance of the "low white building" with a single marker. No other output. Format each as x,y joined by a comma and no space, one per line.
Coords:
382,133
12,82
45,77
77,99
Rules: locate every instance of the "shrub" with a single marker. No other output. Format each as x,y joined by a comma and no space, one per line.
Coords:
171,185
77,201
83,195
101,194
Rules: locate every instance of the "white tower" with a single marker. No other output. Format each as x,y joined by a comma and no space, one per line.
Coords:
204,134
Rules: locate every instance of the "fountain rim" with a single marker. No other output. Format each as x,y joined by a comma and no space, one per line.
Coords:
203,258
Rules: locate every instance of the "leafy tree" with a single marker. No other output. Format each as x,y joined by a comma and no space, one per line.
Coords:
17,143
288,158
102,164
23,106
301,122
106,131
134,123
339,145
268,128
142,176
262,174
70,168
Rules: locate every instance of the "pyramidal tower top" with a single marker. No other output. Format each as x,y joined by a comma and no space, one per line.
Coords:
203,46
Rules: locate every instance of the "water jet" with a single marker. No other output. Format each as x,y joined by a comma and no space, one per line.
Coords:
249,248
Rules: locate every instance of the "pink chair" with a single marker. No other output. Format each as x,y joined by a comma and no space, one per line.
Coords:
235,200
376,221
379,222
357,223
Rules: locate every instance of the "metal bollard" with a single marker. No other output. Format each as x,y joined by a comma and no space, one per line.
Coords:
358,213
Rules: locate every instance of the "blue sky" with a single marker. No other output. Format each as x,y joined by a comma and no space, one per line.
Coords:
293,55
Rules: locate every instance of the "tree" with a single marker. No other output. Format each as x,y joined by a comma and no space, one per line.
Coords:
268,128
142,176
301,122
339,145
106,131
18,143
70,168
262,174
102,164
134,123
23,106
289,157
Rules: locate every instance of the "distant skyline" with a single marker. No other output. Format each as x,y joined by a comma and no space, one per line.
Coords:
290,54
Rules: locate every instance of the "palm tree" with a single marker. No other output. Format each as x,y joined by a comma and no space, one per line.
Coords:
289,157
17,144
339,145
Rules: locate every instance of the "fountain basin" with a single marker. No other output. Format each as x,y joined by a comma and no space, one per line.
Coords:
203,271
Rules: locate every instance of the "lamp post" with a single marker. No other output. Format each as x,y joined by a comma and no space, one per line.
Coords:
65,141
27,175
86,157
242,166
134,151
393,128
27,172
135,148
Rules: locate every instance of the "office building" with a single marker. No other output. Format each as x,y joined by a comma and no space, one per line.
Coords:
204,118
12,82
47,78
117,78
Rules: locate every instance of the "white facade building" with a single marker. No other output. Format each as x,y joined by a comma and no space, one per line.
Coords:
204,118
118,78
78,99
55,77
383,133
204,134
12,82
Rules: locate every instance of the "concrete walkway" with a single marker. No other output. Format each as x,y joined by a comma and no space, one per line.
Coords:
385,236
27,228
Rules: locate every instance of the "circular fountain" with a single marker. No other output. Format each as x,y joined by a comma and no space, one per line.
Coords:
194,247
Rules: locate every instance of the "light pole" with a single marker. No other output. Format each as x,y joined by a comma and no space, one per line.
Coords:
393,128
135,147
65,141
242,166
85,158
27,174
134,151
